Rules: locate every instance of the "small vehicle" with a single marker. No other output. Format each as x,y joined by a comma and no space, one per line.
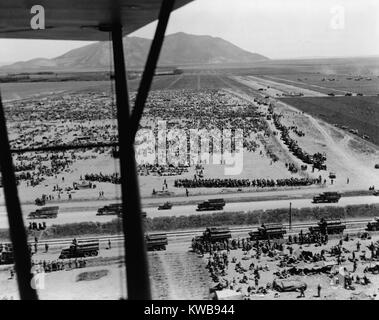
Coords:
332,175
327,197
40,202
80,249
82,185
211,204
373,225
112,209
377,166
165,206
44,213
156,241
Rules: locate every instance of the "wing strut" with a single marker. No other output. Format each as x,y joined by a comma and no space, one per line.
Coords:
16,224
138,284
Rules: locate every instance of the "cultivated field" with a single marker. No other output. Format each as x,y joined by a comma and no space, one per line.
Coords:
360,113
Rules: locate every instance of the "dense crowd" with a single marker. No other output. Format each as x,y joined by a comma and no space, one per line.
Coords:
292,260
317,160
100,177
238,183
161,170
58,265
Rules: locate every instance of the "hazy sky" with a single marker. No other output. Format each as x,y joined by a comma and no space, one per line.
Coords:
275,28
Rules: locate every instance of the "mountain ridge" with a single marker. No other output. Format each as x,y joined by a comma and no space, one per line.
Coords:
178,49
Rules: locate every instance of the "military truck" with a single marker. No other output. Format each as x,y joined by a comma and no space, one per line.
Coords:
216,234
156,241
211,204
112,209
44,213
373,225
327,197
268,231
328,227
81,249
165,206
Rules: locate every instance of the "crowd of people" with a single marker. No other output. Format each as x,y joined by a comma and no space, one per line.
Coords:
239,183
58,265
161,170
293,259
317,160
101,177
37,226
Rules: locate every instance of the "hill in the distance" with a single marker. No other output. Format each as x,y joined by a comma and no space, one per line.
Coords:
178,49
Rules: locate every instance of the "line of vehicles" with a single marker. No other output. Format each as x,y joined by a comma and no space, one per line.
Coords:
159,241
50,212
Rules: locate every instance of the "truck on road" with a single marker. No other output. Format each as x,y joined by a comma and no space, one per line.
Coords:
44,213
328,227
327,197
156,241
268,231
211,204
216,234
111,209
81,249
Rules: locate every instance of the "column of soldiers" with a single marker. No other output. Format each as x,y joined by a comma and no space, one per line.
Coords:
58,265
234,183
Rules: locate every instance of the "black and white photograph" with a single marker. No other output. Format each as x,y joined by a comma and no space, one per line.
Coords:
193,150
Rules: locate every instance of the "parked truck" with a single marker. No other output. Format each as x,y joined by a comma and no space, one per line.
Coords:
328,227
216,234
327,197
211,204
81,249
156,241
44,213
268,231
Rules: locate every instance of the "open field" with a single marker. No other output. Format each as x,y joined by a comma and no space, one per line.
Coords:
361,113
